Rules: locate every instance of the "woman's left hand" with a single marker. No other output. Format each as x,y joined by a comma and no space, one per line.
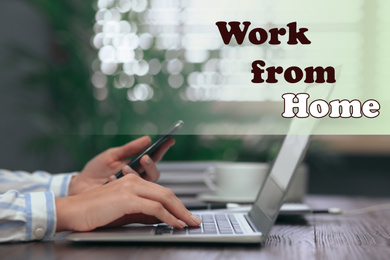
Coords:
98,170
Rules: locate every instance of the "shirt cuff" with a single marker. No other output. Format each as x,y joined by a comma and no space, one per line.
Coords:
41,215
59,184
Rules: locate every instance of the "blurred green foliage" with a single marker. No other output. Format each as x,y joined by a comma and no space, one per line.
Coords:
75,120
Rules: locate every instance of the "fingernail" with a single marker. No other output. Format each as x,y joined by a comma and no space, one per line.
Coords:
181,223
148,160
128,169
196,219
173,142
112,178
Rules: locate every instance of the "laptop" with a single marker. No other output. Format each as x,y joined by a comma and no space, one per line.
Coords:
221,227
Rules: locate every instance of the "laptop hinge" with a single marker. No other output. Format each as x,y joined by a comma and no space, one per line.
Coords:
251,224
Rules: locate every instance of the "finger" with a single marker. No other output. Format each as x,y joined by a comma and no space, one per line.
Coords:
151,171
127,170
120,166
156,209
112,178
135,147
158,155
132,148
167,198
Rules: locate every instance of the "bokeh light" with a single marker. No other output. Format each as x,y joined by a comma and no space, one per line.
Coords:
138,39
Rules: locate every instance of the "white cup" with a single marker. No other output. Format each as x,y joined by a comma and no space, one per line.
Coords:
239,180
243,180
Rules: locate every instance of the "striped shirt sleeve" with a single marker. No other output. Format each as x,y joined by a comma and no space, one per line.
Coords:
26,217
27,204
25,182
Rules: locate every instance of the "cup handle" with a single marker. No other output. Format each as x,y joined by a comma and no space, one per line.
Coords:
207,178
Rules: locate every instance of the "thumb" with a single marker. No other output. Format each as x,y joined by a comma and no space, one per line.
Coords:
132,148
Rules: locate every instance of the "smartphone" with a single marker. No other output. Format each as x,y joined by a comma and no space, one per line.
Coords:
134,164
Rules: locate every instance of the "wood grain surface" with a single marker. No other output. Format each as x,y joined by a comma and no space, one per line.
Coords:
365,236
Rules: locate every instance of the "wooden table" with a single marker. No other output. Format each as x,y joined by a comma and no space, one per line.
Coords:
364,236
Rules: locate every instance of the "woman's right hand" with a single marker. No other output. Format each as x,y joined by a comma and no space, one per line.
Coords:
130,199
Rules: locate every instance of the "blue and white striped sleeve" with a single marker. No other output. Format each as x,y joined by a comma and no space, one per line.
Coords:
26,217
27,204
25,182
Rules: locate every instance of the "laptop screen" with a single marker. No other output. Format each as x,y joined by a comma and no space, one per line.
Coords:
271,195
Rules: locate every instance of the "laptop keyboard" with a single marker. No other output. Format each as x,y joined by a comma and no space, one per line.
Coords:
211,224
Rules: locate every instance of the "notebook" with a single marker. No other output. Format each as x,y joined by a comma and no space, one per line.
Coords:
218,227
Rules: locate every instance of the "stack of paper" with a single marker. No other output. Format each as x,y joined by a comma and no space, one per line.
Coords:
185,179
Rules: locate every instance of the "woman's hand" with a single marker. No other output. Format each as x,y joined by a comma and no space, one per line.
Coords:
127,200
98,170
